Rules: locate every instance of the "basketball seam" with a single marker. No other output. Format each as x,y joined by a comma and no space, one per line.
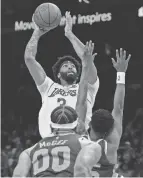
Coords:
69,112
49,14
55,18
59,119
43,19
66,118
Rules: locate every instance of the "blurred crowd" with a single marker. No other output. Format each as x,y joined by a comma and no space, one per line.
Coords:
130,153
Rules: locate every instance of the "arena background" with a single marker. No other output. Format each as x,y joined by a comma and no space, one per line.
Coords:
111,24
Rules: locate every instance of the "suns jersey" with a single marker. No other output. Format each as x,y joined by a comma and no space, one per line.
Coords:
103,168
54,95
55,156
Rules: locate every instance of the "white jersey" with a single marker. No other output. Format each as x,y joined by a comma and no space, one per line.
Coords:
54,95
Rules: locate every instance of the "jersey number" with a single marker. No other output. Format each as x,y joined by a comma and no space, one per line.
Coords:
41,159
62,101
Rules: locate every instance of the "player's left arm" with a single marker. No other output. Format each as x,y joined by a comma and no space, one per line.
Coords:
121,66
86,159
81,105
79,48
23,166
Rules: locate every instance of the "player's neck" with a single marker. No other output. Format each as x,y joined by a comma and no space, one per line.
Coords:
65,84
95,136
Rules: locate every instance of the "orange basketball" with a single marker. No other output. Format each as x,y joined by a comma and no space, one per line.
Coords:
47,15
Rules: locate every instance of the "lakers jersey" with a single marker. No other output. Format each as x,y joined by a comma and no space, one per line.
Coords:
55,156
104,168
54,95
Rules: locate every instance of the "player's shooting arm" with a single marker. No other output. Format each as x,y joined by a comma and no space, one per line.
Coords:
86,159
35,69
121,67
79,48
23,166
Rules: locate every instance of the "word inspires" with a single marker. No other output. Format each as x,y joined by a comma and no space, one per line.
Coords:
76,19
88,19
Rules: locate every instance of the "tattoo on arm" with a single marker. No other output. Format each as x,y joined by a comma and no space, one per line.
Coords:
31,48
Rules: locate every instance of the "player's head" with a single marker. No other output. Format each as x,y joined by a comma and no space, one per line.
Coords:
68,69
64,117
102,122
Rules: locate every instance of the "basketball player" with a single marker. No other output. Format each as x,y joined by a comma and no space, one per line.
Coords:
106,130
64,91
55,155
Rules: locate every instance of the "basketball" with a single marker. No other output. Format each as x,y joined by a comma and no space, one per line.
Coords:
47,15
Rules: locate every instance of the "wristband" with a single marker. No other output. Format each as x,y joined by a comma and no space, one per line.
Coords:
120,77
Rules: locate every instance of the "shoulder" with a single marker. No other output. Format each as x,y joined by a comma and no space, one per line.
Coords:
28,150
24,157
91,151
94,148
84,141
89,155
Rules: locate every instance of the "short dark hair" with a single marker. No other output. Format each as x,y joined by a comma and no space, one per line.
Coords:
102,122
63,115
61,60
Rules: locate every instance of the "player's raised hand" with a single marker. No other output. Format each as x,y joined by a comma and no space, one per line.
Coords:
68,26
41,31
121,64
88,52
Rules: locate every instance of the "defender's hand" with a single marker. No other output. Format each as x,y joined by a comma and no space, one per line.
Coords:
121,64
88,50
68,26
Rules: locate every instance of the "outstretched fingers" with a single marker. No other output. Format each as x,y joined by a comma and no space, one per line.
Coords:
113,61
129,57
117,54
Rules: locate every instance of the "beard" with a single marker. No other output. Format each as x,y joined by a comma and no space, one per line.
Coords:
70,78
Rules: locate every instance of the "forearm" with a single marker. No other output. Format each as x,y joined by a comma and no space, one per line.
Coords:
79,49
81,105
77,44
31,48
92,75
119,97
83,86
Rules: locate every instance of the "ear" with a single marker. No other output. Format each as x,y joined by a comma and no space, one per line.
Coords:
77,78
59,75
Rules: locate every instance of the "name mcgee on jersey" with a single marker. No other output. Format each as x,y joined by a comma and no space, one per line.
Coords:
55,142
63,92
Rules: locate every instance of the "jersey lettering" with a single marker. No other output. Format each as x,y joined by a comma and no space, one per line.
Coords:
63,92
41,159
